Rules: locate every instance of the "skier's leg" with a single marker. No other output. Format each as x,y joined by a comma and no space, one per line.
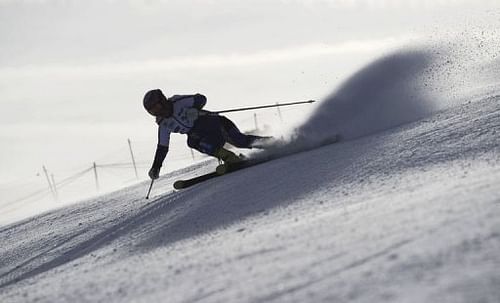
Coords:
208,146
234,136
203,144
207,137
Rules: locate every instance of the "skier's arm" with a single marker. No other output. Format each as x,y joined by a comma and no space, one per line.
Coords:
161,152
199,101
192,105
160,155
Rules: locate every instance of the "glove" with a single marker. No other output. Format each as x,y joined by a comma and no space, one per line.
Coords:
192,113
154,173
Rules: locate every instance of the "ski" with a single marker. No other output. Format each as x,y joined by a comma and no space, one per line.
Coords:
221,169
180,184
224,169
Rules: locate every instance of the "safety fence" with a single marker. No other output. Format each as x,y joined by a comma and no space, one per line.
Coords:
118,168
95,178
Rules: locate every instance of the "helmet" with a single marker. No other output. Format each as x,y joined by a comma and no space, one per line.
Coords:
156,103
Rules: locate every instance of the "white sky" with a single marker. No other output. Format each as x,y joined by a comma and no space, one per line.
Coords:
73,73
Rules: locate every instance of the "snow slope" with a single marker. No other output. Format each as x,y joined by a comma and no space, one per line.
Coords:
404,212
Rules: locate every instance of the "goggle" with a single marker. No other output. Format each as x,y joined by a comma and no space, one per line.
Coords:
158,109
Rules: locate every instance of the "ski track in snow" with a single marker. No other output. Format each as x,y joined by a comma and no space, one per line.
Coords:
402,211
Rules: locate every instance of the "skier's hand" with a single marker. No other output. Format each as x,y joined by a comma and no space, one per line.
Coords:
192,113
154,173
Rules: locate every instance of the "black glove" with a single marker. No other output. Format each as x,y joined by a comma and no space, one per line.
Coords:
154,173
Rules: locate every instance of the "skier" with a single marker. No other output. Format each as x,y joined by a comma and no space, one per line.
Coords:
207,132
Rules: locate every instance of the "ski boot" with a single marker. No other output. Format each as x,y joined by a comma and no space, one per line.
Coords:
228,157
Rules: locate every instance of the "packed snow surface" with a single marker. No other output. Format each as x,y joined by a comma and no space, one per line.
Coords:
406,208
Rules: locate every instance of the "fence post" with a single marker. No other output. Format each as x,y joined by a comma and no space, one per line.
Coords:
279,111
96,178
192,154
56,194
133,159
48,181
255,121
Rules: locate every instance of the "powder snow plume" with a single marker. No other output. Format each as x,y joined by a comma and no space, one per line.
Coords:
405,86
386,93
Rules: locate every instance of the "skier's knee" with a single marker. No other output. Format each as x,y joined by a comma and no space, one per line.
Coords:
205,145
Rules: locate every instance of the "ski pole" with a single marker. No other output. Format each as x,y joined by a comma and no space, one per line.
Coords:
150,186
263,106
